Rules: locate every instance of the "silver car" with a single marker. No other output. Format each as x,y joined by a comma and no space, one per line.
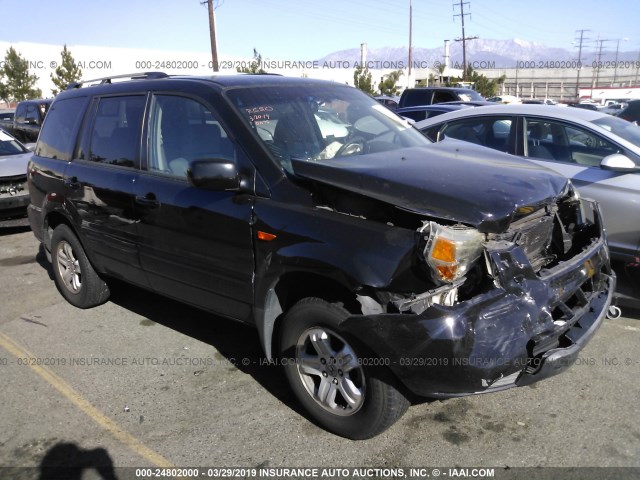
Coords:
598,152
14,196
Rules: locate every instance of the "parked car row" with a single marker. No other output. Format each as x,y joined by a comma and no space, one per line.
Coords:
14,194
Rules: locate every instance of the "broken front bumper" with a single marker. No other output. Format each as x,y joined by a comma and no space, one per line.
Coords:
531,327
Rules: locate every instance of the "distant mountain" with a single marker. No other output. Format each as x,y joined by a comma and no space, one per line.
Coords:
481,53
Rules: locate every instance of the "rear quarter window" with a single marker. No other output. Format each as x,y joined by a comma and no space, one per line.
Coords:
58,134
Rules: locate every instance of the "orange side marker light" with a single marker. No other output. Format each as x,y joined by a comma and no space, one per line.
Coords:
264,236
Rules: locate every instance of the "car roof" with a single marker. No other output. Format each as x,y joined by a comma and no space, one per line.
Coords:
141,81
550,111
468,103
37,100
434,107
451,89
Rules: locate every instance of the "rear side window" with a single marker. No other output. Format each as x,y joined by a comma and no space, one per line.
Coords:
492,132
21,113
33,117
416,96
444,96
58,134
115,136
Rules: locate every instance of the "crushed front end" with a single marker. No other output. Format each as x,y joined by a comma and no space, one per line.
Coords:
511,309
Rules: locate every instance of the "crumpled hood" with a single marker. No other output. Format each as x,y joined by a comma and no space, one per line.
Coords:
13,165
451,180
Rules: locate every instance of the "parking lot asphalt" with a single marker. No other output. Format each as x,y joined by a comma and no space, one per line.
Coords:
145,381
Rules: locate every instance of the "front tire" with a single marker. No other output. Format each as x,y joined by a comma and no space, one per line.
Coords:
325,370
75,277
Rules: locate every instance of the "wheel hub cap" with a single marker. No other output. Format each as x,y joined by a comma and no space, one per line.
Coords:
330,371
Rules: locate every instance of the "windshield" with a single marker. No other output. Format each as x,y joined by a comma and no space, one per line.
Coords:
470,95
321,122
9,145
626,130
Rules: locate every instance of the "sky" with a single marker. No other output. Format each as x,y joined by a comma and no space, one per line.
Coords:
123,36
311,29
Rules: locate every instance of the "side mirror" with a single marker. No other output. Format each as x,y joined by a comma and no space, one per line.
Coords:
618,163
214,174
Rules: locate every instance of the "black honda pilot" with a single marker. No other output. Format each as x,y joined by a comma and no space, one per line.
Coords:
376,266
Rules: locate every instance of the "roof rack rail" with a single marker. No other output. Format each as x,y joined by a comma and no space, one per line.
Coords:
106,80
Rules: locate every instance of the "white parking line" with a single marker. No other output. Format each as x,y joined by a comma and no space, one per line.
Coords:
76,398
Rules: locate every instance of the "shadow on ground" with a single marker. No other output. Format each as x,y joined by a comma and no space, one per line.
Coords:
235,341
67,461
63,461
6,230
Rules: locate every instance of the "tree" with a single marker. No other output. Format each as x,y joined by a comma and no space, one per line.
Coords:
4,91
256,65
66,72
362,79
441,69
485,87
388,83
16,83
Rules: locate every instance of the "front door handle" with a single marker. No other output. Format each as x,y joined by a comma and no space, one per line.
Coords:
149,200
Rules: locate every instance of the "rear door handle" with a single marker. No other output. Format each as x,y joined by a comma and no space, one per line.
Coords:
149,200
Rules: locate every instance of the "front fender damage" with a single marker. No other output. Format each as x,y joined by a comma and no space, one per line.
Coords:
529,327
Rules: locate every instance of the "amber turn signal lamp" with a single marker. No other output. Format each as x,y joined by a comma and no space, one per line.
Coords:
266,237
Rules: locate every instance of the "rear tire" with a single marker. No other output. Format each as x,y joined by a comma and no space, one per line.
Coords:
325,370
75,277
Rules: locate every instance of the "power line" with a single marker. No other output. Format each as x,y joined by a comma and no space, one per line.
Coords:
599,58
582,39
463,39
410,38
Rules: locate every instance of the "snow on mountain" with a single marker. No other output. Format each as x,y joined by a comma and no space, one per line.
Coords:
481,53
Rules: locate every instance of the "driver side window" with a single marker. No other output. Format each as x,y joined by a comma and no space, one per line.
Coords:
181,130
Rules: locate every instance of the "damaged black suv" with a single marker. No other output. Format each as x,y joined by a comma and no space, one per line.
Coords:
376,266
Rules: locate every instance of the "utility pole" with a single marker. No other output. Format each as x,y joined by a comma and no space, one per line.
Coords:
463,39
598,63
410,40
615,67
212,34
582,39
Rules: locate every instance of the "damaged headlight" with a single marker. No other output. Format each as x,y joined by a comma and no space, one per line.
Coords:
451,251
